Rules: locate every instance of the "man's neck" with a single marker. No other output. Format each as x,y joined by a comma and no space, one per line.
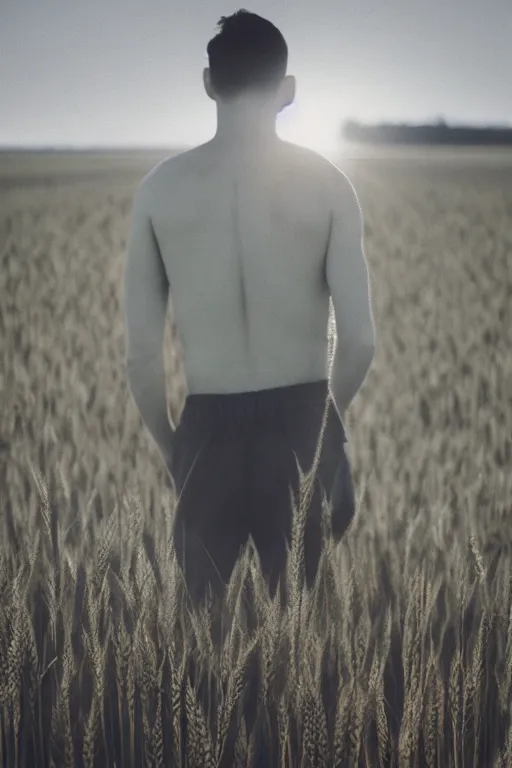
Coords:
242,145
245,129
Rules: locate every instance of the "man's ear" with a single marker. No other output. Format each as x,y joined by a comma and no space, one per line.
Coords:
208,83
287,92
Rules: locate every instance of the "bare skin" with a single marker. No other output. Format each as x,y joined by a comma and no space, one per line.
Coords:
246,236
243,236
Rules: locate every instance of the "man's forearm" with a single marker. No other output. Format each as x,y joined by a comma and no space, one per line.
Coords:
349,368
146,381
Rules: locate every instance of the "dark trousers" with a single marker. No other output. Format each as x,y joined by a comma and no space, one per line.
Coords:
233,464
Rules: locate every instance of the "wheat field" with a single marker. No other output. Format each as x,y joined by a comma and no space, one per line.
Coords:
402,653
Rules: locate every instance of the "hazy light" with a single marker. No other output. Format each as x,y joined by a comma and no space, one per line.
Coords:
312,125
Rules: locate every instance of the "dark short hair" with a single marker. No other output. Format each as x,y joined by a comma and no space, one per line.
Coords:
249,53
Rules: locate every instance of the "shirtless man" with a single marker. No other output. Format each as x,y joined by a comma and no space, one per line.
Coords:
248,236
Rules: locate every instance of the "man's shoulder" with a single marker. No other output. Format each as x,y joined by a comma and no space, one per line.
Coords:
161,178
164,169
317,165
308,156
176,167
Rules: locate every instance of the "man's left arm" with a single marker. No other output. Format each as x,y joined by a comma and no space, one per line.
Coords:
146,295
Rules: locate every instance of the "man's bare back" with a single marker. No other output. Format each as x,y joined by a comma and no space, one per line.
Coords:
248,237
243,237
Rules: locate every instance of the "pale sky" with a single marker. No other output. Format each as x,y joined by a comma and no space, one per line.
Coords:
129,73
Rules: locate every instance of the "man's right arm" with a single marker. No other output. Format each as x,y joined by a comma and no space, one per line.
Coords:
348,281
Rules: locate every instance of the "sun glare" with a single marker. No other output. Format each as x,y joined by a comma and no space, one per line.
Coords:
316,128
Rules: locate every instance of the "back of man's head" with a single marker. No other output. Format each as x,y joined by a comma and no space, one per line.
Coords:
249,54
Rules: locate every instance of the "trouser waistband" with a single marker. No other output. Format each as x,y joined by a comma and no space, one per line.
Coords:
241,408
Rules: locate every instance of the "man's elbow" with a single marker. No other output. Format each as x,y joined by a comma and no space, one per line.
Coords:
133,369
141,354
366,352
367,341
362,340
142,366
129,364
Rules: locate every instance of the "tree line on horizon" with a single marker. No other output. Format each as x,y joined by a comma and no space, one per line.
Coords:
436,133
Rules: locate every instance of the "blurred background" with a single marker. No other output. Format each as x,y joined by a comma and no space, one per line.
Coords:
126,74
